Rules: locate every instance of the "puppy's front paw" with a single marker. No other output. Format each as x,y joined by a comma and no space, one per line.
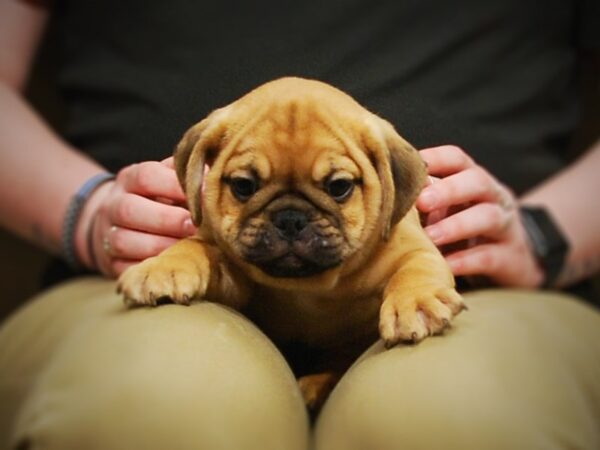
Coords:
163,276
413,314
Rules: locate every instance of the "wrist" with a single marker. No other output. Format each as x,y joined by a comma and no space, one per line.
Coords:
537,274
78,216
85,228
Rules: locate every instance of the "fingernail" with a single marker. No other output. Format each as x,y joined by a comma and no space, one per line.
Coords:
189,227
428,198
434,233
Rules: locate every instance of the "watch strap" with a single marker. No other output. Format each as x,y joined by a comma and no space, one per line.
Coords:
548,243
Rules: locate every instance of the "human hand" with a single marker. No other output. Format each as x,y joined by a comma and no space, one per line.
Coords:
137,216
467,205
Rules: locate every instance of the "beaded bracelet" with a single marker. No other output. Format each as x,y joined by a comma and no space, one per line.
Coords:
73,214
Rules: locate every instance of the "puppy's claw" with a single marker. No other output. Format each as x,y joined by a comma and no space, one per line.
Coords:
389,343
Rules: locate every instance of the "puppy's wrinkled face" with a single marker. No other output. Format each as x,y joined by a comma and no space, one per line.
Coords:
292,199
300,182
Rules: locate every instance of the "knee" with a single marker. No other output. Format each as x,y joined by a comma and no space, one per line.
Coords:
381,405
197,377
517,374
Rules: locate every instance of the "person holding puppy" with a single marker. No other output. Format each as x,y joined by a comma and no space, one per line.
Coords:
518,369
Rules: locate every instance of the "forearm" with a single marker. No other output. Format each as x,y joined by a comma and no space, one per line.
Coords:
572,199
39,173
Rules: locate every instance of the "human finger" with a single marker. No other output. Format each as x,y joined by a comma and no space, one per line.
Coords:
169,162
482,219
143,214
431,217
434,216
474,184
484,259
152,179
124,243
118,266
446,160
507,265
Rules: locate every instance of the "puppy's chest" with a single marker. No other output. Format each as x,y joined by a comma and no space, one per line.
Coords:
322,321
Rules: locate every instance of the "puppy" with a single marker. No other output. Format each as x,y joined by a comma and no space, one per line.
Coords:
307,223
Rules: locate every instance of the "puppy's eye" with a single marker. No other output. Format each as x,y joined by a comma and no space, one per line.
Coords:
243,188
340,189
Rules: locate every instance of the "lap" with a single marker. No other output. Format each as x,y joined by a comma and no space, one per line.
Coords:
78,370
518,370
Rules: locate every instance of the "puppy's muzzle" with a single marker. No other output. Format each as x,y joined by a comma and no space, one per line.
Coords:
292,240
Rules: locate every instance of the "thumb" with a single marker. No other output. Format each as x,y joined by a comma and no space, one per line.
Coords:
168,162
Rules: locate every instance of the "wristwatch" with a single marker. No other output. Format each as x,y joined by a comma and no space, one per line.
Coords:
548,243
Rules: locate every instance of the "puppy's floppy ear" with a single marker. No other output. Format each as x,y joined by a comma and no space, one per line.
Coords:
199,146
401,171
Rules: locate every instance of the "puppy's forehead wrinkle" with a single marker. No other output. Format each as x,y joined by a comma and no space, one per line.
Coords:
292,130
249,160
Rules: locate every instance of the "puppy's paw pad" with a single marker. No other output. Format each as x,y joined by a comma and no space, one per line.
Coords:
412,316
162,278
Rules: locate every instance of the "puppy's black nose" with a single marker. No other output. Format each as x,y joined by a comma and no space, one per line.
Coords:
289,222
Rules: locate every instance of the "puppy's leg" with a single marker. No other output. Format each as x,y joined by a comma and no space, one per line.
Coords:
420,298
190,269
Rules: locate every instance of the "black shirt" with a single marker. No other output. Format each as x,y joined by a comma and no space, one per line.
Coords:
496,77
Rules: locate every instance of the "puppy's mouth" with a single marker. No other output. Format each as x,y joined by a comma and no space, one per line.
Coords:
293,260
292,248
292,266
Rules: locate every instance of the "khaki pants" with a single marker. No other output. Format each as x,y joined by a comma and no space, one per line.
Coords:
79,371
